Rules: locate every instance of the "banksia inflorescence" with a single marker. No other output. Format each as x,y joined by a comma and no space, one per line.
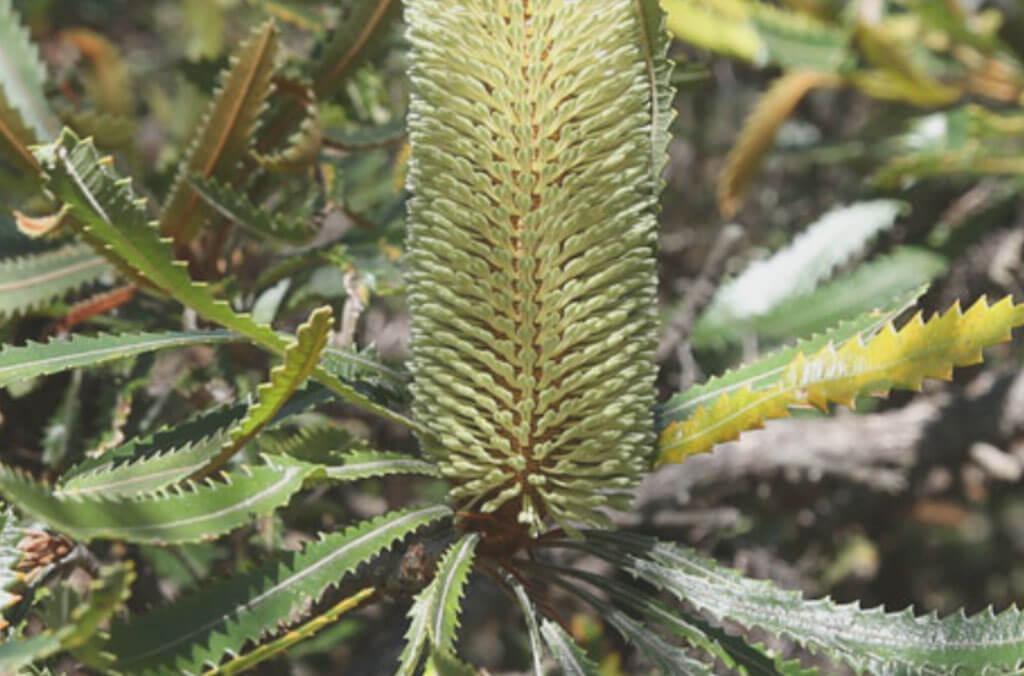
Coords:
537,132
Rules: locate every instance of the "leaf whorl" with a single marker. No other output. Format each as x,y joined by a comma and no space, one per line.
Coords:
532,240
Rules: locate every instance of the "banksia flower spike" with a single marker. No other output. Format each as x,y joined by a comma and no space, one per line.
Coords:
538,134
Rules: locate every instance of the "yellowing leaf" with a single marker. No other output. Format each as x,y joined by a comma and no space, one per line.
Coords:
759,133
889,359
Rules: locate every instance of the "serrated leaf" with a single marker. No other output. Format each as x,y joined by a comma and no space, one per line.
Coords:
225,132
891,276
237,207
841,373
867,640
766,371
367,464
292,637
417,636
109,130
359,24
23,76
40,359
82,636
10,555
446,600
532,628
224,616
16,137
301,149
654,41
85,637
114,221
300,360
172,454
446,663
758,133
30,282
835,238
570,657
195,512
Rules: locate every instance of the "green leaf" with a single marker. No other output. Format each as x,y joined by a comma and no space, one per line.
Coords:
766,371
224,616
32,281
23,76
895,275
446,598
795,270
85,637
300,360
570,657
417,636
224,135
867,640
345,47
369,464
82,636
145,465
40,359
114,221
237,207
654,41
292,637
17,653
532,628
16,137
196,512
10,535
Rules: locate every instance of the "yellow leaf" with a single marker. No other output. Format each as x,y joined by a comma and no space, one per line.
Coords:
838,375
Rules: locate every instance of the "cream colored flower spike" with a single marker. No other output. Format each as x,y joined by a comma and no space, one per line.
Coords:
538,132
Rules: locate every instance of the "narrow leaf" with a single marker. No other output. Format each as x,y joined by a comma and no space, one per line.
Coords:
114,221
533,629
570,657
356,28
300,360
766,371
758,134
871,641
224,134
197,512
225,615
30,282
23,76
40,359
797,269
16,137
292,637
840,374
446,601
237,207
